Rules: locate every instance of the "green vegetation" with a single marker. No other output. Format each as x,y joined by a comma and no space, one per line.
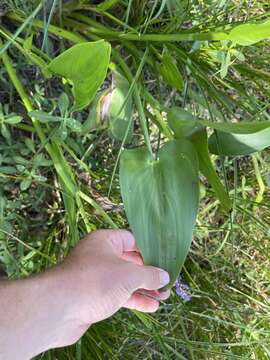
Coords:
81,80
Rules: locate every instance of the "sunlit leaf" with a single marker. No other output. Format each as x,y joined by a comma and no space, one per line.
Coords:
161,201
85,66
248,34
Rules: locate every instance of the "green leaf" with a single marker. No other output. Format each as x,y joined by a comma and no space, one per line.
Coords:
93,120
5,132
14,119
8,170
225,65
28,42
85,66
106,5
170,72
25,184
184,123
30,144
73,124
199,140
236,128
119,107
63,104
161,202
232,144
44,117
248,34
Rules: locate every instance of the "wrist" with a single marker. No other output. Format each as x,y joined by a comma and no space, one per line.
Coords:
34,316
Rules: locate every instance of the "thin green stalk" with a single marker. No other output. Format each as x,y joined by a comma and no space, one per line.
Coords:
25,22
209,36
45,35
137,99
68,35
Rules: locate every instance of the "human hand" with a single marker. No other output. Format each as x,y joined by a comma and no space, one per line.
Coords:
103,273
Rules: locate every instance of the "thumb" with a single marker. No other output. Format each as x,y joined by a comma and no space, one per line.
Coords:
148,277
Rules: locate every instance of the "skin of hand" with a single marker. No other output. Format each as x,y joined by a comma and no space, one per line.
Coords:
102,274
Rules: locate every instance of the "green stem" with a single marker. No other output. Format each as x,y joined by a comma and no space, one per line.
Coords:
107,33
174,37
25,22
68,35
137,98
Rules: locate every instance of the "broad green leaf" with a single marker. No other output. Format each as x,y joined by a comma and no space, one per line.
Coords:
199,140
184,123
248,34
161,202
170,72
231,144
85,66
117,107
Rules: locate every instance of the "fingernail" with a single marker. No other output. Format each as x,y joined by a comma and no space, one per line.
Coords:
164,278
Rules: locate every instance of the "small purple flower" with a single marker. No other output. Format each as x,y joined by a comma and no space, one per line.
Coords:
182,289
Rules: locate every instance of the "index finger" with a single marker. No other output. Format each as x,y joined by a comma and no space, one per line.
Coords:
122,241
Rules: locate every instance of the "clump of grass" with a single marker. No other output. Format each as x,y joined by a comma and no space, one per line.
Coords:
227,269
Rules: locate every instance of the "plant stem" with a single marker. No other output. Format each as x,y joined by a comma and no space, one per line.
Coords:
68,35
107,33
137,97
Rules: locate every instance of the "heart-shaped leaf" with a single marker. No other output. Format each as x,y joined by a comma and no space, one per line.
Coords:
161,201
85,65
